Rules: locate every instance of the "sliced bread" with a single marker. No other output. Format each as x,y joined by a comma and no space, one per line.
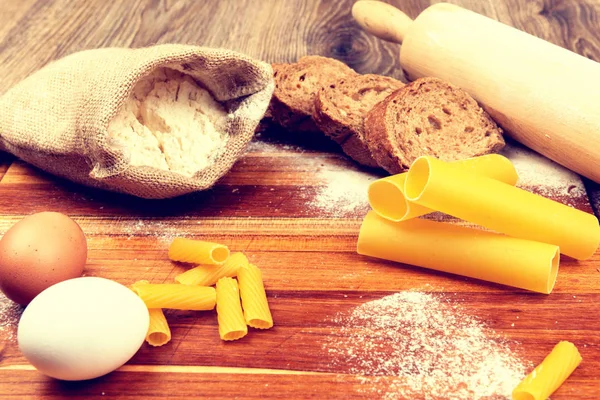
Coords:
429,117
341,107
296,85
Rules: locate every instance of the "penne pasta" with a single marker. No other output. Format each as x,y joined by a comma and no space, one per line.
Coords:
135,285
198,252
550,374
176,296
386,196
159,332
503,208
459,250
254,298
232,325
207,275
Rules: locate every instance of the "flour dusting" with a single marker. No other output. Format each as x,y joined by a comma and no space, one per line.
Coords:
538,172
422,345
164,230
10,312
342,191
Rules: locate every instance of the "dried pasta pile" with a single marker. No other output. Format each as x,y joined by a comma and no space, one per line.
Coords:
240,303
525,233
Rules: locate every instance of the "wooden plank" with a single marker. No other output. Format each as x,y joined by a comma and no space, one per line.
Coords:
53,29
289,344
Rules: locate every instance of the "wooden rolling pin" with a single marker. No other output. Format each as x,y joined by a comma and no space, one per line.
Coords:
544,96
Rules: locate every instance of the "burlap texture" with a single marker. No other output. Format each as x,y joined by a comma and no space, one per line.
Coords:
57,118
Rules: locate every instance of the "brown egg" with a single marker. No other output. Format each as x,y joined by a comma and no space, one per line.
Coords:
37,252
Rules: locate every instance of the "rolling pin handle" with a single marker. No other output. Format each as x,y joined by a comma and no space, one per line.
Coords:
381,19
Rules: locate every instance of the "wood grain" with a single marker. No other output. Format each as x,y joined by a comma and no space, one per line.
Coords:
266,208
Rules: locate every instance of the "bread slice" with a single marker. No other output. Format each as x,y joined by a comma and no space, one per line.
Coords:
296,85
429,117
341,107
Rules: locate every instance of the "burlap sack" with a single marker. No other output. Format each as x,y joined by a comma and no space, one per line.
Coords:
57,118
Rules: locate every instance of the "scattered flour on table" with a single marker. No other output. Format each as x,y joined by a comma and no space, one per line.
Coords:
342,191
268,147
536,171
163,230
340,185
10,312
421,345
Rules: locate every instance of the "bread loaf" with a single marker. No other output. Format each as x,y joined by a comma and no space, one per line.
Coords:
296,85
341,107
429,117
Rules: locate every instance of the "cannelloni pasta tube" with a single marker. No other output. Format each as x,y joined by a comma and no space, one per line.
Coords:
503,208
459,250
386,196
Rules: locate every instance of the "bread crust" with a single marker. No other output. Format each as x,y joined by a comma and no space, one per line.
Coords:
378,141
341,107
296,86
429,117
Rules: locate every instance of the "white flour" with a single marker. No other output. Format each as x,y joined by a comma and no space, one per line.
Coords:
547,177
421,345
340,185
10,312
268,147
342,191
163,230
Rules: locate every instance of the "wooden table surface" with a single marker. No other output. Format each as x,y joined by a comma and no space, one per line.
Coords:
307,254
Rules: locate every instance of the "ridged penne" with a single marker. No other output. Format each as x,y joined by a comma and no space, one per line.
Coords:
159,332
550,374
198,252
232,325
207,275
254,298
176,296
134,286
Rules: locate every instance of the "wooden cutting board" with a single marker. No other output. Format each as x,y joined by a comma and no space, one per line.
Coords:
271,206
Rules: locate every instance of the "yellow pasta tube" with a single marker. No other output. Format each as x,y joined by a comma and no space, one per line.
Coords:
208,275
503,208
463,251
550,374
176,296
386,196
232,325
159,332
135,285
254,298
198,252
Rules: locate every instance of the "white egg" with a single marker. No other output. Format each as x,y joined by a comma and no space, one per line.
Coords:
82,328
